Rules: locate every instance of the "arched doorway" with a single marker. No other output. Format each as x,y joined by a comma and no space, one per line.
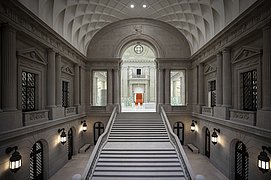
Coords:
241,161
98,129
138,78
70,144
36,162
178,129
207,142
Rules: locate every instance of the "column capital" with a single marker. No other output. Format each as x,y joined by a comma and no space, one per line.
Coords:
9,27
51,50
219,54
226,50
267,26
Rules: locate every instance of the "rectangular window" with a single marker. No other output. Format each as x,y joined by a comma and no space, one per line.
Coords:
99,88
138,71
28,91
212,94
65,94
177,84
249,90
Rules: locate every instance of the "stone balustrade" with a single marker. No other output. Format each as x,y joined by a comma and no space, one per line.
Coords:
34,117
246,117
206,110
70,111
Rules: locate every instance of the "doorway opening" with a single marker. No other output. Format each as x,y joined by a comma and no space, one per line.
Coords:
138,79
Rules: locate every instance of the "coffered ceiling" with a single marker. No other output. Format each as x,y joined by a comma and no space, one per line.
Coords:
79,20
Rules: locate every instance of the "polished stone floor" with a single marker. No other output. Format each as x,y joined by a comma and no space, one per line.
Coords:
200,164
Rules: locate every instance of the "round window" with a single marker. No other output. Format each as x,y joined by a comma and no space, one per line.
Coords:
138,49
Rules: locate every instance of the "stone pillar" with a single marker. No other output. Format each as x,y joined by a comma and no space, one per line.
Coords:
227,79
109,87
58,81
51,78
76,85
200,85
266,69
161,86
116,87
9,69
219,90
264,114
167,87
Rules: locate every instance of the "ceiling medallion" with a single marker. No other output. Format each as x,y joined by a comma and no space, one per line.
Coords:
138,48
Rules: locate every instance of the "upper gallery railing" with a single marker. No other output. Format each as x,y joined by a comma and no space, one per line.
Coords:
188,172
98,147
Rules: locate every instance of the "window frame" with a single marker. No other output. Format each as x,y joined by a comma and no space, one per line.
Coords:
92,85
243,96
65,94
185,87
27,87
211,90
33,154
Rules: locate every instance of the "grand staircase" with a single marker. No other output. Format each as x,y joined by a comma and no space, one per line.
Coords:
138,147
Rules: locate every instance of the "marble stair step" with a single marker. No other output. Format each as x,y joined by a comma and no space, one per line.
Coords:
138,178
138,174
142,169
138,164
138,156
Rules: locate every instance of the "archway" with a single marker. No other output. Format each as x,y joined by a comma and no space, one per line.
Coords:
138,78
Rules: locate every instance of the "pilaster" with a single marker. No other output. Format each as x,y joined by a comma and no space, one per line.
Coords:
76,85
161,86
263,115
59,110
9,69
167,86
51,79
219,89
227,78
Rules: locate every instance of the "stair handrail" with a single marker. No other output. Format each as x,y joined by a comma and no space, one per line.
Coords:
188,171
90,167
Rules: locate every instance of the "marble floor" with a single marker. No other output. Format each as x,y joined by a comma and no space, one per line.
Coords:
200,164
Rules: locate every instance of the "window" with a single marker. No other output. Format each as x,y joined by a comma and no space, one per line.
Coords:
70,144
249,90
178,129
212,94
177,84
28,91
99,88
138,71
36,161
98,130
138,48
207,143
241,161
65,94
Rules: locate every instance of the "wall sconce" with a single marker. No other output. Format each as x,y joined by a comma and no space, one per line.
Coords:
15,161
215,136
264,160
63,136
193,126
84,125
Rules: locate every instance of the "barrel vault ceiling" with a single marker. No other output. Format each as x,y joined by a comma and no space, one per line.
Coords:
79,20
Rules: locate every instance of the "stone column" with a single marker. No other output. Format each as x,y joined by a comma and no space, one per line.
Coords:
51,79
161,86
9,69
110,87
76,85
227,79
266,69
264,114
58,81
200,85
219,90
116,87
167,87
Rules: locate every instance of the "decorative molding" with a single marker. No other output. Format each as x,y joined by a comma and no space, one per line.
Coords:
207,110
252,19
34,117
33,55
70,111
209,69
246,53
68,70
21,19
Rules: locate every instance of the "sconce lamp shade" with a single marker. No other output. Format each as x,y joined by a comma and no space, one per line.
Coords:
264,160
214,137
84,126
63,136
15,161
193,126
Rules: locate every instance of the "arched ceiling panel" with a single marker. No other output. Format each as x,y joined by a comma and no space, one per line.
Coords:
79,20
